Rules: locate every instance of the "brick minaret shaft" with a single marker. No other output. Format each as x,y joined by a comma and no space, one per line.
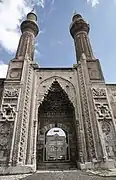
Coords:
29,29
79,30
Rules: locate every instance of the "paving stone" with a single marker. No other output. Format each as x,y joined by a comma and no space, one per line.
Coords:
58,175
13,177
66,175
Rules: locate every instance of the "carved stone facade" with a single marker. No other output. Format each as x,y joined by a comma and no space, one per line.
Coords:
34,100
105,122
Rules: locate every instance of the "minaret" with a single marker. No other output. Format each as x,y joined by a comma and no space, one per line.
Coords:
29,29
88,70
79,30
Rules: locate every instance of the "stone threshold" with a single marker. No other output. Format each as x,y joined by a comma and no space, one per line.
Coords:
52,171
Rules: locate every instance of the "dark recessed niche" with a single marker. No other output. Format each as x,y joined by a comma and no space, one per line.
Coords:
40,77
70,77
44,86
8,112
67,86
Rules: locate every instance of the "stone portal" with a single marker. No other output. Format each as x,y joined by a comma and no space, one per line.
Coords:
56,139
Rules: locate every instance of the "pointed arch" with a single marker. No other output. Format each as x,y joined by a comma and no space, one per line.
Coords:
56,78
56,110
45,85
56,93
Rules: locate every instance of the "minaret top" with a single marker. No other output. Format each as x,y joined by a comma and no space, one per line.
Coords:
32,16
76,16
78,25
30,24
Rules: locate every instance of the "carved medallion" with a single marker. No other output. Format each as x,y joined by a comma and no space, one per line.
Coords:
14,74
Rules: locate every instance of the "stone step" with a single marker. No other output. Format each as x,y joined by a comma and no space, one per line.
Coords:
56,166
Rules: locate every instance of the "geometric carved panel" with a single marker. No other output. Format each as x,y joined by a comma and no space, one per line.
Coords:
8,112
102,111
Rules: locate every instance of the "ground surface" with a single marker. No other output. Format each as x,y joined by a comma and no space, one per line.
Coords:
58,175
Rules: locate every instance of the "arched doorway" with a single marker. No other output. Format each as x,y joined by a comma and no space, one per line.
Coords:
56,111
56,145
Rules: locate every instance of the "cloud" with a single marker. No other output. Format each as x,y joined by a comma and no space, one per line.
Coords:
3,69
11,14
37,51
93,2
41,3
52,2
56,42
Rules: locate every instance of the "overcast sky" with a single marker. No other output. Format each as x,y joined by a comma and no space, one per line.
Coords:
54,45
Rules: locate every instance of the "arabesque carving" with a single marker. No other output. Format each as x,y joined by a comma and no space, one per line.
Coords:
6,130
98,92
108,138
11,92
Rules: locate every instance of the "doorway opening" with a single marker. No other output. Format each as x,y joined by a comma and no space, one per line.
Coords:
56,145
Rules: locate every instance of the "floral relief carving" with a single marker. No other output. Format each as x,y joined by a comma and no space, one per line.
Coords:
102,111
108,138
12,92
6,130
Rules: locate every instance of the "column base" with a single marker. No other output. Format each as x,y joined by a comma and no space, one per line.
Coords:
106,164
